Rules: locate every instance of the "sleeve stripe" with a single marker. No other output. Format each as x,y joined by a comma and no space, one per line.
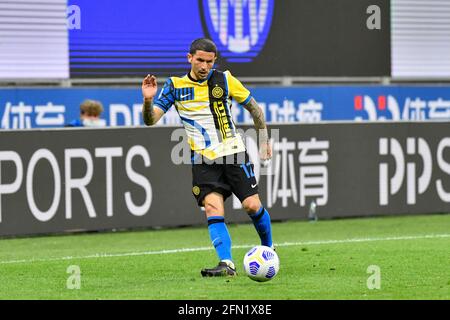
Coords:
161,107
166,96
246,100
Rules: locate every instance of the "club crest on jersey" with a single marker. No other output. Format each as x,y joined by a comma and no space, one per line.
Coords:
217,92
196,190
238,27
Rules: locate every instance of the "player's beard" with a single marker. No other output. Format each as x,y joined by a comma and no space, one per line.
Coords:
202,74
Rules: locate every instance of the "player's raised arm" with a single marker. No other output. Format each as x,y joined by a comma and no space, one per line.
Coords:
149,88
265,150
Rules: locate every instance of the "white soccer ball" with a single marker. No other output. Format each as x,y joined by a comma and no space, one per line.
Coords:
261,263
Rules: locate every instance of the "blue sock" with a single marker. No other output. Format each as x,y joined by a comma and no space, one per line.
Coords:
261,220
220,237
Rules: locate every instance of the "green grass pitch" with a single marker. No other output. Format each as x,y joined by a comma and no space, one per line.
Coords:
322,260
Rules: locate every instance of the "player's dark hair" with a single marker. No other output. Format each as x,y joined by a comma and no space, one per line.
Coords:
203,44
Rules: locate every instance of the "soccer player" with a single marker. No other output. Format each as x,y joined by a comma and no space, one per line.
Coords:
220,163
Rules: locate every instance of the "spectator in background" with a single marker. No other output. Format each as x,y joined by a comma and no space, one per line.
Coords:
90,112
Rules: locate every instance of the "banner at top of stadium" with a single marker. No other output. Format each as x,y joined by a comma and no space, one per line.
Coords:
254,37
62,39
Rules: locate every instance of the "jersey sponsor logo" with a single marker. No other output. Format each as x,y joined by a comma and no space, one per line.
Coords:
222,119
238,27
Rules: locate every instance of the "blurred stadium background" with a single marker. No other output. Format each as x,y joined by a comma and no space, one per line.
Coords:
358,91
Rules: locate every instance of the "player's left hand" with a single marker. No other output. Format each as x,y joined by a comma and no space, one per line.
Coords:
265,153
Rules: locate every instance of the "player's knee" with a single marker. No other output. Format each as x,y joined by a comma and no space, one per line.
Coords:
212,209
251,205
213,204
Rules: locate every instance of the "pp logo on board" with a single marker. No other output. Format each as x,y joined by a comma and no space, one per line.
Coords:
238,27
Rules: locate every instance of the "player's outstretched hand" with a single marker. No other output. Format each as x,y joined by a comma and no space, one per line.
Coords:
149,87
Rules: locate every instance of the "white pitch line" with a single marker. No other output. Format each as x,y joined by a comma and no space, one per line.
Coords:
285,244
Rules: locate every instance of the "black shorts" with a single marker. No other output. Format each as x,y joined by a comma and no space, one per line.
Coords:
225,175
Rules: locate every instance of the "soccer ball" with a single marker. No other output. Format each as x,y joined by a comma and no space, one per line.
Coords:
261,263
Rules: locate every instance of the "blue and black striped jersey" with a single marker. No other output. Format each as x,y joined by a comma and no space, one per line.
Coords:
205,110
